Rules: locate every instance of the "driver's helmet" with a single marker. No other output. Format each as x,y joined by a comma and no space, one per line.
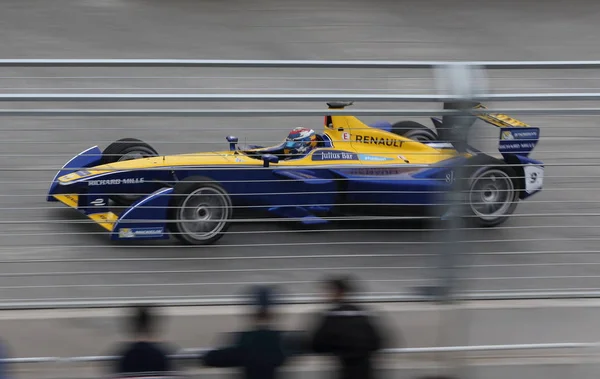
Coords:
300,141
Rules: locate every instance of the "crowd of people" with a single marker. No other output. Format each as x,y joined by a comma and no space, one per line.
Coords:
347,331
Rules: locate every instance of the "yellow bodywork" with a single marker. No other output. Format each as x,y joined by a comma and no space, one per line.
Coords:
104,219
347,134
350,134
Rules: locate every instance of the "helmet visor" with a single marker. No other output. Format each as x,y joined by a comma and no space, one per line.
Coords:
292,145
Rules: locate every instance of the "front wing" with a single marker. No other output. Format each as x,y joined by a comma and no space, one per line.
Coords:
145,219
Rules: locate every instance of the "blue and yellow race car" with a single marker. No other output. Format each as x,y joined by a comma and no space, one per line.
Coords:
383,169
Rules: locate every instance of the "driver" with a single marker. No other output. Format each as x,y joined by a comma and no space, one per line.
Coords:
299,142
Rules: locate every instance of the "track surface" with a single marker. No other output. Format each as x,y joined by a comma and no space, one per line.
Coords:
45,256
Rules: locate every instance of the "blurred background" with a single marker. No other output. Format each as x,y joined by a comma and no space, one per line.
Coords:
529,276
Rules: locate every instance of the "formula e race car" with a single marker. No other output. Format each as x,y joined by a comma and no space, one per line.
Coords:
381,169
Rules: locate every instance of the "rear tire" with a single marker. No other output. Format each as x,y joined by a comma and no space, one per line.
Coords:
415,131
493,192
199,203
124,150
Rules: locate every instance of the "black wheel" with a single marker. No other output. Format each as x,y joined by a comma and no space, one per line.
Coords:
200,211
414,131
124,150
492,191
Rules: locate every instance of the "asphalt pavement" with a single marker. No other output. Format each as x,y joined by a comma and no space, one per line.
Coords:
50,253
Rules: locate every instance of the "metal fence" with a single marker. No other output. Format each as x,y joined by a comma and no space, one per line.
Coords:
411,362
53,257
190,354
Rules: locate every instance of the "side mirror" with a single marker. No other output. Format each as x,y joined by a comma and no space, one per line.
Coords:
269,158
233,140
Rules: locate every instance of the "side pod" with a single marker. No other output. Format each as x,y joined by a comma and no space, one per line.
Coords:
86,158
146,219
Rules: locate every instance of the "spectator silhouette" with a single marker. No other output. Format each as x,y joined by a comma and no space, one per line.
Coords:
259,351
347,332
144,354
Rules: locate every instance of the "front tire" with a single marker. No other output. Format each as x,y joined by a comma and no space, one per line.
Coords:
124,150
127,149
200,211
493,192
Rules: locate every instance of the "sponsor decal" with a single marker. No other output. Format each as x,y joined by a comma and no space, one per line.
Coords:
383,171
70,176
115,182
346,136
379,141
140,232
513,135
374,158
75,175
518,140
98,202
71,198
334,155
102,216
517,146
126,233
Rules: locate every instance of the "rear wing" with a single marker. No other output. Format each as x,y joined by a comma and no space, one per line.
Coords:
500,120
516,137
